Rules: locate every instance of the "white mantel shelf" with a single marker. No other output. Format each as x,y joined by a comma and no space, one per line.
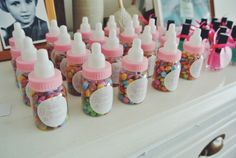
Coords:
127,131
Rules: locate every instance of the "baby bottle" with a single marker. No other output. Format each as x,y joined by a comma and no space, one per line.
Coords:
85,30
111,24
76,57
47,94
97,35
52,36
155,34
167,68
18,36
96,90
127,37
136,23
148,46
192,59
171,31
133,75
25,64
61,46
113,52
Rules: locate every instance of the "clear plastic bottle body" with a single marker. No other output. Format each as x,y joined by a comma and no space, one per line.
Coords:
49,107
166,75
73,74
57,57
49,46
191,65
116,66
13,63
151,62
93,100
22,78
130,94
127,46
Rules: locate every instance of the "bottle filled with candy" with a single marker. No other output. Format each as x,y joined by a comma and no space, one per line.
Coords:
96,84
76,57
47,94
133,75
113,52
25,65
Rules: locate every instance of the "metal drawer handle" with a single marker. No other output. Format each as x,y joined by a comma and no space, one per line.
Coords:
213,147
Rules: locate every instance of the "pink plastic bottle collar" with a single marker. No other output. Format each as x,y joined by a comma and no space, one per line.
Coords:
127,39
97,74
77,59
24,66
15,53
51,38
148,47
192,50
134,66
62,47
113,53
44,85
168,56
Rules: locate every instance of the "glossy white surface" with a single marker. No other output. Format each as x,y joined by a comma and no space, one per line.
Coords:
127,131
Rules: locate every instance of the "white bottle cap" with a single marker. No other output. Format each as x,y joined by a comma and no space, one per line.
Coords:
96,60
152,24
136,20
170,45
43,68
64,36
54,29
129,29
146,36
171,31
78,46
112,41
17,30
195,39
98,33
85,26
28,52
111,24
135,54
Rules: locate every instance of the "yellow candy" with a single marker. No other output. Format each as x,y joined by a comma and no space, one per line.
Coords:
100,86
130,81
123,76
87,93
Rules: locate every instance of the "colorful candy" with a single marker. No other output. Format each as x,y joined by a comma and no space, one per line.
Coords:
23,81
71,70
38,98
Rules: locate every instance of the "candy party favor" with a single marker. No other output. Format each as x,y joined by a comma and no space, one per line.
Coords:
111,24
148,46
167,68
52,36
85,30
75,59
96,84
47,94
133,75
127,37
61,46
192,59
25,64
113,52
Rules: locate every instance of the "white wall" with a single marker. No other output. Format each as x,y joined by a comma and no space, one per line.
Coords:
110,7
225,8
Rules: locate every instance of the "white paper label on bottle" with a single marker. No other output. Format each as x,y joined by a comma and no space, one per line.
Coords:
63,65
151,65
101,100
186,9
172,79
196,67
115,72
76,81
225,57
52,112
137,90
